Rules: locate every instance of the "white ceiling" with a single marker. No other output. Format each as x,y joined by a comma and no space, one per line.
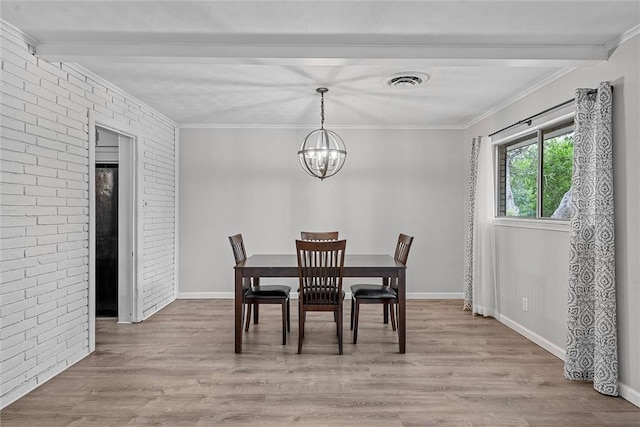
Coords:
258,63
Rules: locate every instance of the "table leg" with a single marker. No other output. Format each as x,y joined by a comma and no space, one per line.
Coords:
256,307
402,310
385,307
238,310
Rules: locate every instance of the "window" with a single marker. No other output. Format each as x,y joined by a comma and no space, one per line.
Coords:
535,174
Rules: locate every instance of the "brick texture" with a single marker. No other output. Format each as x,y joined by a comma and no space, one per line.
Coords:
44,201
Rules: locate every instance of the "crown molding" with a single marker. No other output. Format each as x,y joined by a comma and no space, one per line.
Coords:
617,41
25,37
614,43
542,83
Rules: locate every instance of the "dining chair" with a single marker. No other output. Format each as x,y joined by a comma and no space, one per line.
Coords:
319,235
255,294
320,270
386,293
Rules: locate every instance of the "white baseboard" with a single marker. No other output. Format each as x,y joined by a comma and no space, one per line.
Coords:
435,295
626,392
294,295
206,295
629,394
532,336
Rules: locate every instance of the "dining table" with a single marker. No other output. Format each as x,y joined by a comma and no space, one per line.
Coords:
286,265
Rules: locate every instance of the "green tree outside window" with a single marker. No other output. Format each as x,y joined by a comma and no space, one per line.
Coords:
524,161
557,168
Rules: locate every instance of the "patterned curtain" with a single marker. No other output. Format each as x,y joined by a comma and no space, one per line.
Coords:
591,322
471,209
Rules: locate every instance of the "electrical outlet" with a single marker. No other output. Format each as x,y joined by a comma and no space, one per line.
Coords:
525,304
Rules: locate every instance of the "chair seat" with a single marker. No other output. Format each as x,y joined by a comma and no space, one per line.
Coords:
268,291
364,291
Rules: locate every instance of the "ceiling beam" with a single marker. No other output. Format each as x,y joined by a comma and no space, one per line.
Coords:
323,54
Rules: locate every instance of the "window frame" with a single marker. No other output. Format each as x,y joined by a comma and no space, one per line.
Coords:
539,133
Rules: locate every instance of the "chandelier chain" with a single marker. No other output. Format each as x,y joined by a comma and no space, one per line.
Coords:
321,110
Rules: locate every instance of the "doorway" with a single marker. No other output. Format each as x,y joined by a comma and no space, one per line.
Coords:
106,240
114,225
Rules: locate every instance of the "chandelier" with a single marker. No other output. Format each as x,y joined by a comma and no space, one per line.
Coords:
322,153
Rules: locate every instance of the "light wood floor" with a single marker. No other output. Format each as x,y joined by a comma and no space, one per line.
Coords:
178,368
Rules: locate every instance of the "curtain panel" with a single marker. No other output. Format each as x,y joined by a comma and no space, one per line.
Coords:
480,294
471,209
591,351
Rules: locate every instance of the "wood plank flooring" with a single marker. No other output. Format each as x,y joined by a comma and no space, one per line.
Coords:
178,368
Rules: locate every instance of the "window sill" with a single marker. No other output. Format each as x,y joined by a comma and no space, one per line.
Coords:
538,224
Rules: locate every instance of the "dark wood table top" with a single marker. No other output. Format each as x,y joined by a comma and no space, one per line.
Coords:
286,265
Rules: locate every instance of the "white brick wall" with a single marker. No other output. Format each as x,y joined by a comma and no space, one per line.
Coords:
44,208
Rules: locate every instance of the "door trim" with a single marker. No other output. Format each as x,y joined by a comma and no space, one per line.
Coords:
96,120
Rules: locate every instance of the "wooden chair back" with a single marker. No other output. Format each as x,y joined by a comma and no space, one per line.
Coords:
402,248
402,253
237,244
240,254
319,236
320,270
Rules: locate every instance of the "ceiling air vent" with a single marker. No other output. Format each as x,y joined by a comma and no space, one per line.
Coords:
406,80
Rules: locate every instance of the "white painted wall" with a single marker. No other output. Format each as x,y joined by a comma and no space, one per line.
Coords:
534,263
44,197
250,182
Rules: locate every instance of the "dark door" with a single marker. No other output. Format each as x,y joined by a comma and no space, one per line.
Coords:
106,240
